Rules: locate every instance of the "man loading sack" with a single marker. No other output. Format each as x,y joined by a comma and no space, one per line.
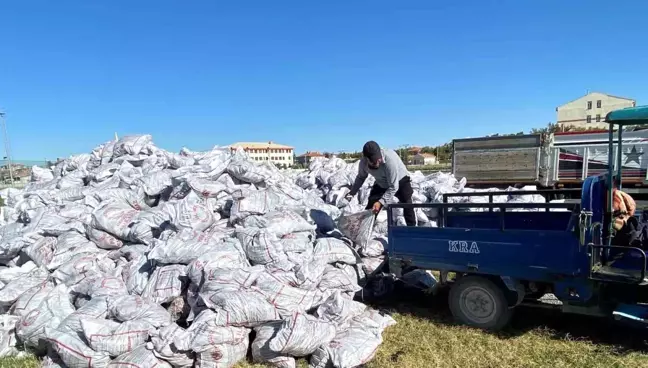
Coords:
392,180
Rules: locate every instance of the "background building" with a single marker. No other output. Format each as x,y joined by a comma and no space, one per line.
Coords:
278,154
590,110
421,159
307,157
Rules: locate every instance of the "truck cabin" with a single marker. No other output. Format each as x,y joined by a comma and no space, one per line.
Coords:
612,253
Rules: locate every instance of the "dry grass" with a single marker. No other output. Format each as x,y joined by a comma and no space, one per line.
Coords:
425,336
27,362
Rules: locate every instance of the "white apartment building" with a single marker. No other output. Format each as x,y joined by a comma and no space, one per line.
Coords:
278,154
590,110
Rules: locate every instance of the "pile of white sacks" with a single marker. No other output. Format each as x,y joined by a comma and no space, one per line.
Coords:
135,256
332,179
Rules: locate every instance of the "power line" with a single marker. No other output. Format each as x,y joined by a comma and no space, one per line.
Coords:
7,146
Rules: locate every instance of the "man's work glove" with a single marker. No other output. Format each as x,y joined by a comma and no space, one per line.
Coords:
376,207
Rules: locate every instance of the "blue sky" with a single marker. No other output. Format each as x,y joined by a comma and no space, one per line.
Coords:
318,75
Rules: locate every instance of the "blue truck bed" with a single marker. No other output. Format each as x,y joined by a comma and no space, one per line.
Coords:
516,244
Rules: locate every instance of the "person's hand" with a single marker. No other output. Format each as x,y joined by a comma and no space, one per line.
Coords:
348,197
376,207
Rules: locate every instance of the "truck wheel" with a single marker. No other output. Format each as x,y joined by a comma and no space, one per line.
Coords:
478,302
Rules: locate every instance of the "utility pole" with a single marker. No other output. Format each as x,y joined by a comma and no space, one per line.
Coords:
7,147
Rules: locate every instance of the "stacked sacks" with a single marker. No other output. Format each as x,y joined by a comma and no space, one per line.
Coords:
333,178
137,256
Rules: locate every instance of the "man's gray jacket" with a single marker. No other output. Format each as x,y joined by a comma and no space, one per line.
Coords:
387,175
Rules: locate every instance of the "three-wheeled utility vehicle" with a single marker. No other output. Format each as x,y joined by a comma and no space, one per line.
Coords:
559,254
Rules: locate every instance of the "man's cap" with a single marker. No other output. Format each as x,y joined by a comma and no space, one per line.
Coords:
371,151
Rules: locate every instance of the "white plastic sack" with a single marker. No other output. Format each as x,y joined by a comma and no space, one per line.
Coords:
156,182
8,335
50,313
261,352
14,289
114,219
133,307
301,334
205,333
285,298
261,246
298,241
96,308
339,309
334,278
141,356
225,279
122,197
241,308
136,274
192,215
39,174
279,223
333,250
114,338
102,239
374,247
74,352
354,346
203,267
188,245
11,273
358,227
101,286
31,299
165,284
79,267
165,348
132,145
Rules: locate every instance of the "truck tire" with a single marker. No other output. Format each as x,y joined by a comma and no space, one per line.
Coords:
478,302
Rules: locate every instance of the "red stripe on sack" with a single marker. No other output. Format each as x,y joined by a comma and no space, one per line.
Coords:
292,330
126,364
74,351
117,334
277,295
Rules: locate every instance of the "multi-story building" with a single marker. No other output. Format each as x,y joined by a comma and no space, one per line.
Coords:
590,110
278,154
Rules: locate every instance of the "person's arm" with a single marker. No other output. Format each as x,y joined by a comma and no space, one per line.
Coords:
360,178
392,176
631,205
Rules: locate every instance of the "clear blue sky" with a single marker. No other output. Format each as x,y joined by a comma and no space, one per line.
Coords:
318,75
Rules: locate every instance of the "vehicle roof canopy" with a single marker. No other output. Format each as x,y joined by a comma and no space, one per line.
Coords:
628,116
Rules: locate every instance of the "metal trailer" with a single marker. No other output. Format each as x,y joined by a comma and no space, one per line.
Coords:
503,258
561,159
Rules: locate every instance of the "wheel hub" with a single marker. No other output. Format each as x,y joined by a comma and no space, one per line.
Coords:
477,304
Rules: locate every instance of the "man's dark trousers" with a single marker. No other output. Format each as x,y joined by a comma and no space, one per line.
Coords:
404,195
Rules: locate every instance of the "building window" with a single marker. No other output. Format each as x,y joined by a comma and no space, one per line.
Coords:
589,118
598,104
589,105
598,118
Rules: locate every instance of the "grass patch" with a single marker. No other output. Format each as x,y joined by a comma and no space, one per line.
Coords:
24,362
426,337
